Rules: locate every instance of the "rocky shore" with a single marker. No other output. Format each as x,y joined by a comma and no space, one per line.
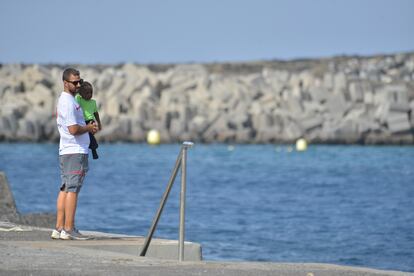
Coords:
364,100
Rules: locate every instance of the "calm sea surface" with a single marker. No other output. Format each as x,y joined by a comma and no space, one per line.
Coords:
349,205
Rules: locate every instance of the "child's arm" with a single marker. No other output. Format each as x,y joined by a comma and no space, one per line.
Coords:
77,98
98,120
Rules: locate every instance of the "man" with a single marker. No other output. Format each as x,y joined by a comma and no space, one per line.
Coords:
73,155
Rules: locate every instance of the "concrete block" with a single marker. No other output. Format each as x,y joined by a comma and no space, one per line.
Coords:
397,117
337,105
118,130
318,94
224,136
313,107
356,92
399,106
328,80
8,210
217,124
269,104
412,113
104,79
198,125
116,86
397,127
391,93
2,132
347,131
270,134
177,127
340,82
112,106
262,121
50,130
310,123
9,127
28,130
275,76
255,108
238,119
294,105
292,130
398,122
369,97
3,87
244,135
365,126
137,133
381,113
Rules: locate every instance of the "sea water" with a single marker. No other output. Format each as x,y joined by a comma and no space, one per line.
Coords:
349,205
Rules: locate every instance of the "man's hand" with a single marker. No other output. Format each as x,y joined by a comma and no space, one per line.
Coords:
78,130
92,127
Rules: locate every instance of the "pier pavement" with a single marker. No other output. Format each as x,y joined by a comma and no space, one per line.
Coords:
26,250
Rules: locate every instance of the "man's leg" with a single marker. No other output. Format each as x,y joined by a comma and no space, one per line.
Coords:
77,166
70,210
60,210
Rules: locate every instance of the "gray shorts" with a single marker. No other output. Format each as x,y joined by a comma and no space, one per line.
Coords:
73,168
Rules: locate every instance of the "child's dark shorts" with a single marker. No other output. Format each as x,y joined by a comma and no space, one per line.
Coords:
73,168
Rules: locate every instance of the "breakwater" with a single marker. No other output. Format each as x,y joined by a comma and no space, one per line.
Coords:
366,100
9,212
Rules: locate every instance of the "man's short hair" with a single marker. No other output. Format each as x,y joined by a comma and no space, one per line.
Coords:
68,72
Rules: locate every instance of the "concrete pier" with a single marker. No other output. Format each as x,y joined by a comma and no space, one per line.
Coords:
28,250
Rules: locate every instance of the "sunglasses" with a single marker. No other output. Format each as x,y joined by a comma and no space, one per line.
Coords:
75,83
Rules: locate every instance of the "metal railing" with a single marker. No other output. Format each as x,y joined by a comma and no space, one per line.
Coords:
181,161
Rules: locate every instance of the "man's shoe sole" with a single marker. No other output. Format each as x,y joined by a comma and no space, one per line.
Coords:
55,235
68,238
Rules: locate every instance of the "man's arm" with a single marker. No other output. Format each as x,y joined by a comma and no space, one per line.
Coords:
78,130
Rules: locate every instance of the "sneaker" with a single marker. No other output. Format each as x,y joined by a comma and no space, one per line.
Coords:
55,234
72,235
76,230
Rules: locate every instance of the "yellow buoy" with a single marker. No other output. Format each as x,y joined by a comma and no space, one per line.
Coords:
301,144
153,137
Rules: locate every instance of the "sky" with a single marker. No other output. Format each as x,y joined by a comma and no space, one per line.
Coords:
186,31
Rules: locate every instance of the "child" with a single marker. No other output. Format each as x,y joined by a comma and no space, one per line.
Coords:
90,112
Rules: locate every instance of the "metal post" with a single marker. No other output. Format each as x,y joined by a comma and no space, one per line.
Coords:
162,203
181,160
182,206
182,200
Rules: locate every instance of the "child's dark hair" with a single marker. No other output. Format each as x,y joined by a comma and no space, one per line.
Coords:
86,87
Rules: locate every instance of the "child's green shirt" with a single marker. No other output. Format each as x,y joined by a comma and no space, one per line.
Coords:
88,106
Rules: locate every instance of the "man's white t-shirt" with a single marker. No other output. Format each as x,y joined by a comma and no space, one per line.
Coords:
70,113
